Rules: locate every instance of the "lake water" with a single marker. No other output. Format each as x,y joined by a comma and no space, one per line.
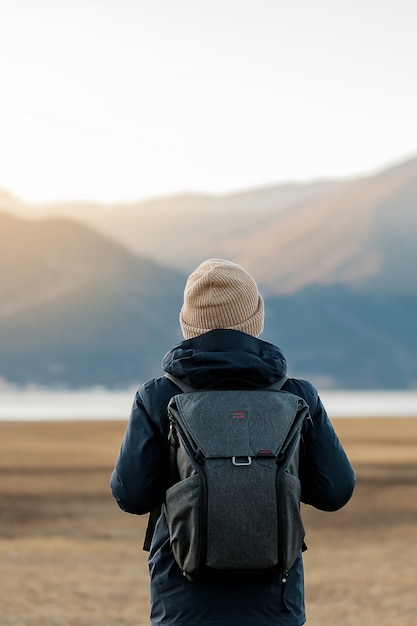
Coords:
116,405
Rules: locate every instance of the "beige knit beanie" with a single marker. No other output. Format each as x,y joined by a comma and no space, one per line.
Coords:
221,294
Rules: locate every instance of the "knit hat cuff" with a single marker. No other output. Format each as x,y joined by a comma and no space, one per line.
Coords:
252,326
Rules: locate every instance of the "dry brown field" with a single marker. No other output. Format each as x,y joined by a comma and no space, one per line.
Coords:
69,557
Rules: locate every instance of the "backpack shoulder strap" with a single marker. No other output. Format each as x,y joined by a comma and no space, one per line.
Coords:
277,385
180,383
150,528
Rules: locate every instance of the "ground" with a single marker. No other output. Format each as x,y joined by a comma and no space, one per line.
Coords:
70,557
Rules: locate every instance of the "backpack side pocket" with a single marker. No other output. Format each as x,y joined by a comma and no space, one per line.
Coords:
183,515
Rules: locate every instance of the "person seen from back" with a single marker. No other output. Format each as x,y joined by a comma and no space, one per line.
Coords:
221,319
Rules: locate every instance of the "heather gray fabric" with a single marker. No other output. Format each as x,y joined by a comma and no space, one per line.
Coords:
236,507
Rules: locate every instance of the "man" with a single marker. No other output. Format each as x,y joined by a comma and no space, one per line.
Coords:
221,319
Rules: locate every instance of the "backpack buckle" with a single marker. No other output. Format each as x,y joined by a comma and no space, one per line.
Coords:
241,460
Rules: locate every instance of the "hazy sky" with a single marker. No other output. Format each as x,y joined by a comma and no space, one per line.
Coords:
126,99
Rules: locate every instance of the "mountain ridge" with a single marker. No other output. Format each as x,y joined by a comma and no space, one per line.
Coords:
77,309
335,267
288,236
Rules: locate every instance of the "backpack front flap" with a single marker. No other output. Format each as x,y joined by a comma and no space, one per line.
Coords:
225,513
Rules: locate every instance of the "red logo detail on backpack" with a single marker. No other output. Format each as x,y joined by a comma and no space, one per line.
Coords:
239,415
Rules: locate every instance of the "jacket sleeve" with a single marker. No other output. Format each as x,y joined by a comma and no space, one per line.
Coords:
327,477
138,480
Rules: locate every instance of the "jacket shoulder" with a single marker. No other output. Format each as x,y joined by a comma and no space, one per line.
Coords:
154,396
304,389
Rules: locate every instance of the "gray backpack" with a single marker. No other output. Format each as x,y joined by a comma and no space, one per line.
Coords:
233,509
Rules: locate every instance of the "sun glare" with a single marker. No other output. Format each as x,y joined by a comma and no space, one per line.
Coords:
30,155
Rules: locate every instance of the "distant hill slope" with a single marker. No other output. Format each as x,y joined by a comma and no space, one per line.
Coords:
341,339
361,233
77,309
335,262
358,232
10,202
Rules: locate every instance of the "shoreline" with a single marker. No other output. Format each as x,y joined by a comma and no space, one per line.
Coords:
101,405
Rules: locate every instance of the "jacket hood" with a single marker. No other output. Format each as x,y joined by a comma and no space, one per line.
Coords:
225,354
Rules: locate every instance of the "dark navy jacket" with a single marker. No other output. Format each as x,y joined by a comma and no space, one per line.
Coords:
140,477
